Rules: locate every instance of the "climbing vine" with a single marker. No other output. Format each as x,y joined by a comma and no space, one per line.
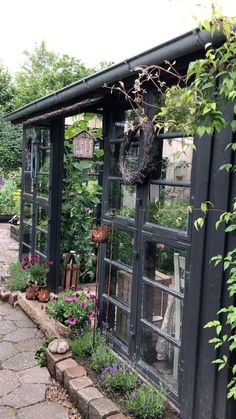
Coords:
193,105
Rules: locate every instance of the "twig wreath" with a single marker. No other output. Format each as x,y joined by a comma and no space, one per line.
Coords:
147,161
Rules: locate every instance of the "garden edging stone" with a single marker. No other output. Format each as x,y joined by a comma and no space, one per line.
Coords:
66,370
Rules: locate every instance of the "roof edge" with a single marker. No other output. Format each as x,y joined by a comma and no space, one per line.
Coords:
184,44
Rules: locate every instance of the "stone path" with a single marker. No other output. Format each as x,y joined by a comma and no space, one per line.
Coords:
8,250
23,384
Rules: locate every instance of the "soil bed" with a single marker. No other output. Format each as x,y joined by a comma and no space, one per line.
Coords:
170,413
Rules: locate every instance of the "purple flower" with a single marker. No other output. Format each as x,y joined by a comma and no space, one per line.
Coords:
72,320
88,210
71,194
134,395
173,195
70,299
84,304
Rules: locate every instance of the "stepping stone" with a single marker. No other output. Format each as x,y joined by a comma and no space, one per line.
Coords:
6,351
20,335
7,413
6,327
8,382
23,323
5,309
43,410
18,314
36,375
25,395
20,361
28,345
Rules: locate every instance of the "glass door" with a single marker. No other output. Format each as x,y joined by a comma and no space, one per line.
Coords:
36,192
145,265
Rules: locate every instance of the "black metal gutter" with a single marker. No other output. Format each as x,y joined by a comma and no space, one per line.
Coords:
185,44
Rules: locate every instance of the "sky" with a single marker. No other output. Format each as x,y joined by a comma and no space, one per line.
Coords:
95,30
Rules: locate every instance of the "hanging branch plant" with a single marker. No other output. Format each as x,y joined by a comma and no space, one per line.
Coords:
147,161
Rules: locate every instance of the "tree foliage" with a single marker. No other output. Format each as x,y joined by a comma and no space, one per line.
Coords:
6,90
45,71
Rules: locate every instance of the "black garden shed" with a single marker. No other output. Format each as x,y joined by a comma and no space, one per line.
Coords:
143,293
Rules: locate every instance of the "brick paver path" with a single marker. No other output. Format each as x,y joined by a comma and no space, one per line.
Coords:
23,384
8,250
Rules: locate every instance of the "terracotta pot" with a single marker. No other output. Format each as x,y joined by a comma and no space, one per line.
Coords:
32,291
100,234
43,294
62,329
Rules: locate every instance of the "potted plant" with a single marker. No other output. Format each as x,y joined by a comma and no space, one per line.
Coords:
37,276
72,310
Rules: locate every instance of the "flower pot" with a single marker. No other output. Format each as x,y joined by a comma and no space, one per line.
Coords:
62,329
100,234
43,294
32,291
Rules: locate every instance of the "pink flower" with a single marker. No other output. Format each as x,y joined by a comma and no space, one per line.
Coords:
49,262
69,299
91,314
84,304
160,245
173,195
72,320
71,194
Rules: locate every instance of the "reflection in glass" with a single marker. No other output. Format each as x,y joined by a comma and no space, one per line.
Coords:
122,198
44,160
27,234
43,185
122,247
118,321
42,218
41,242
27,212
163,310
160,355
120,284
168,206
28,183
176,163
165,264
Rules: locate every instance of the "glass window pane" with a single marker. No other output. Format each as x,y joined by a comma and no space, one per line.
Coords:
43,186
122,247
44,160
27,212
132,158
118,321
28,183
120,284
41,242
163,310
122,198
176,163
42,218
168,206
27,234
161,355
165,264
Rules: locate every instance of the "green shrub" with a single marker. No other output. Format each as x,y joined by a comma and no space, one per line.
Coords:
119,376
40,354
146,402
102,356
82,347
18,277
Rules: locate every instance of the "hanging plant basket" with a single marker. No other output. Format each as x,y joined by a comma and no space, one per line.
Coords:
147,161
100,234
